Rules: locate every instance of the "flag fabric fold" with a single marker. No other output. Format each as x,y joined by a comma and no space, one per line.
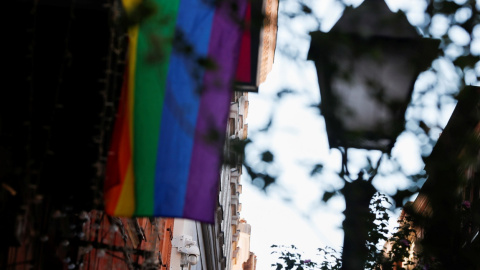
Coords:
167,144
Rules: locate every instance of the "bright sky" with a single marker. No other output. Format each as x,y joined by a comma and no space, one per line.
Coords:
292,212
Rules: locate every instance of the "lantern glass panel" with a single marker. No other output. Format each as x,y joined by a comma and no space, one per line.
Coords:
369,86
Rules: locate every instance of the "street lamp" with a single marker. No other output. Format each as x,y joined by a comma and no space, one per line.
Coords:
367,66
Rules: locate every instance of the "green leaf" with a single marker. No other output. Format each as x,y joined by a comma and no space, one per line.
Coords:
207,63
268,180
327,196
448,7
424,127
267,156
284,92
317,169
466,61
306,9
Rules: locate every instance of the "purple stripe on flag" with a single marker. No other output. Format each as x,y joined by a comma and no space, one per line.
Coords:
202,187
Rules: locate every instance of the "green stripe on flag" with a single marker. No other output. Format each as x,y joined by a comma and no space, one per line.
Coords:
153,53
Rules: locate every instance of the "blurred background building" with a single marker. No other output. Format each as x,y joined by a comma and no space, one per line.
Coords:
244,259
446,213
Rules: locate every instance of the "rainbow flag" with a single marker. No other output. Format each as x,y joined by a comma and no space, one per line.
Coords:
167,144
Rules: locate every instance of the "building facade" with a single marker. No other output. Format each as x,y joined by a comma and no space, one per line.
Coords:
244,259
123,243
445,216
218,243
